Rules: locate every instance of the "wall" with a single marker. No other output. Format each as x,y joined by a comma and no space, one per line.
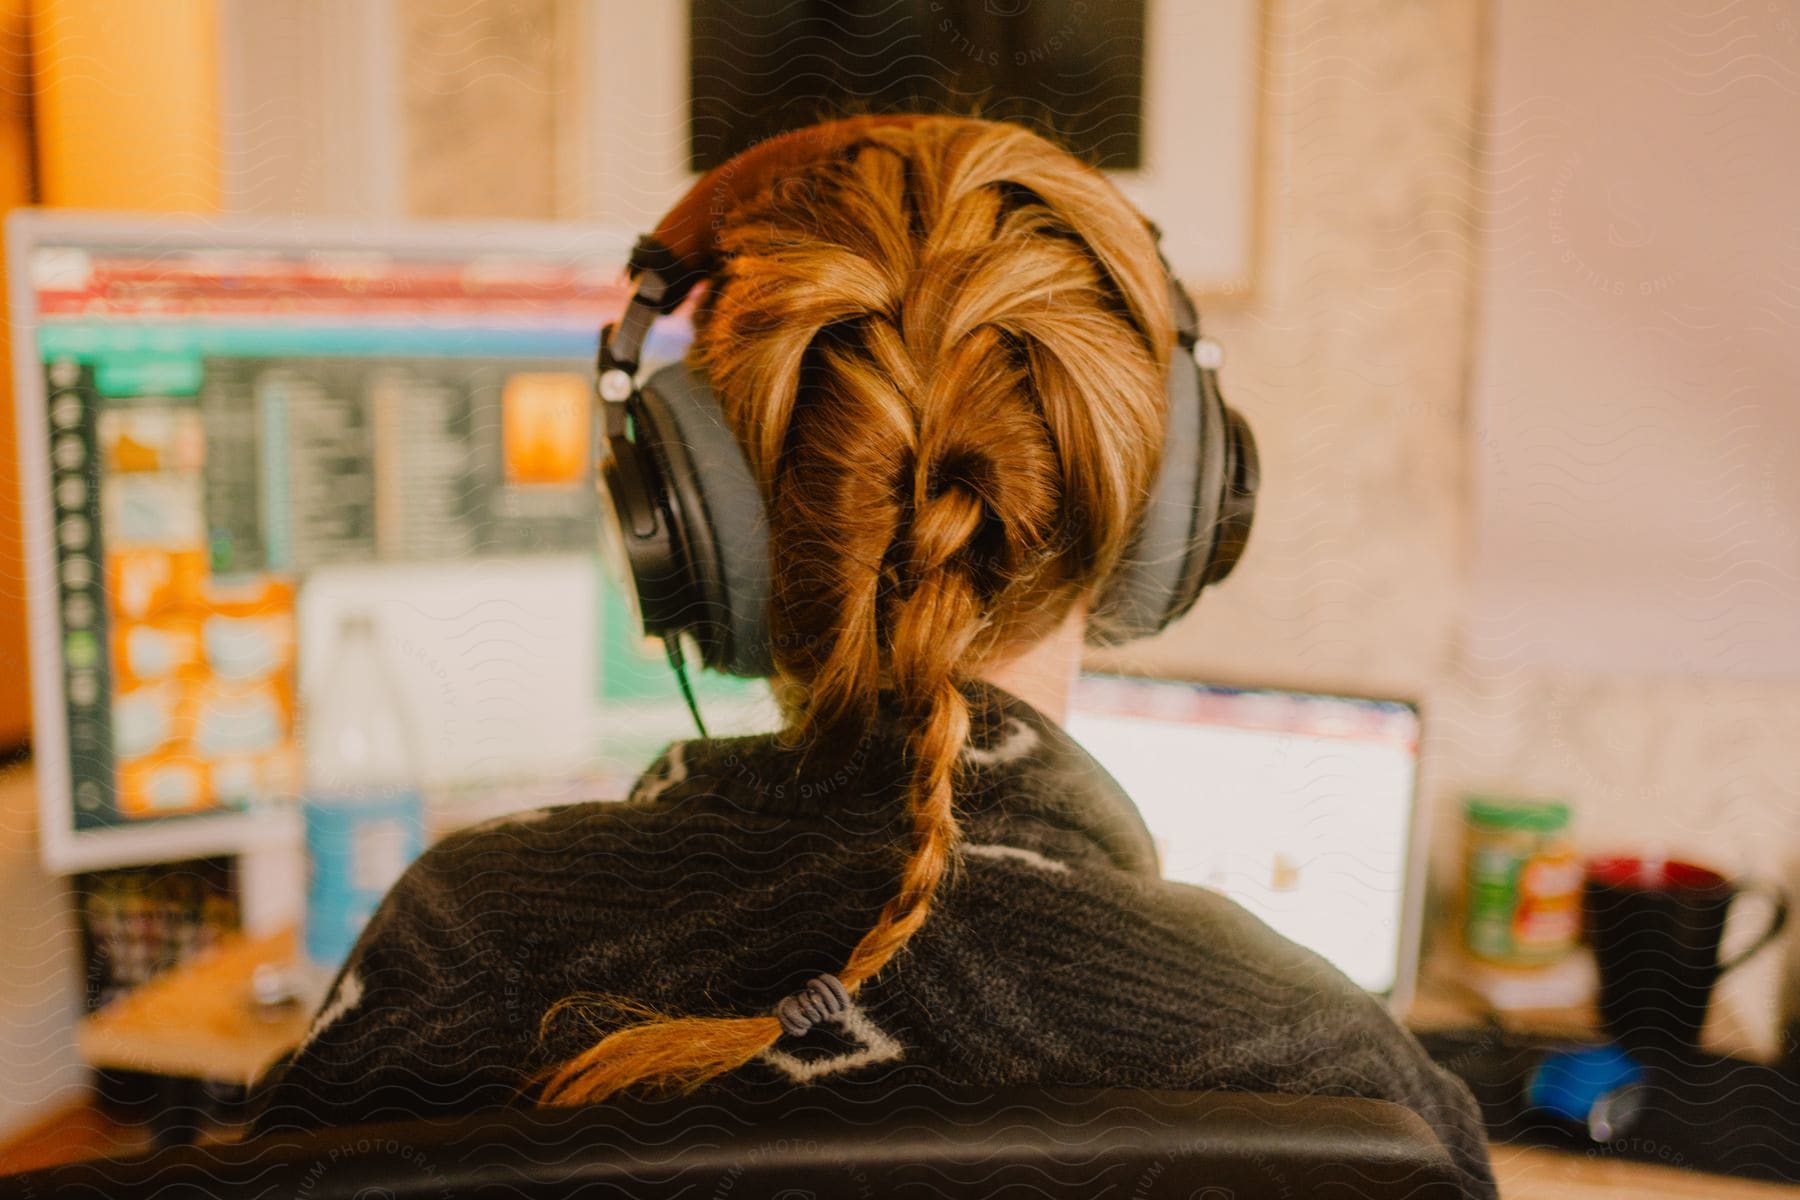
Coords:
1634,382
1632,640
1349,358
480,97
310,109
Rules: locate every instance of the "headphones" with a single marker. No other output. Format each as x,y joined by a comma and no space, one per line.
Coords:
684,517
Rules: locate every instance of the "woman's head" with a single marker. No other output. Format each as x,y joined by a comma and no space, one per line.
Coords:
944,350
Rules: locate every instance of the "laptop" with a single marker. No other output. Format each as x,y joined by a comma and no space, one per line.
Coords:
1302,807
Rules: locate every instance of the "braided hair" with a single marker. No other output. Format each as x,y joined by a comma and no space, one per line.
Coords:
943,350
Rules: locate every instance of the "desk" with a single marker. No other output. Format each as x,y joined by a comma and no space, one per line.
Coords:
198,1020
1527,1173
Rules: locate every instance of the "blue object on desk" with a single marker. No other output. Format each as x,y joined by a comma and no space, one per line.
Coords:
1596,1086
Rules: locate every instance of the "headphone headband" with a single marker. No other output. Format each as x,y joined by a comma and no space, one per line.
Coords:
683,249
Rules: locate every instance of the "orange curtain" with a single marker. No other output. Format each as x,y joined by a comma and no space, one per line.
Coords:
127,103
15,190
121,111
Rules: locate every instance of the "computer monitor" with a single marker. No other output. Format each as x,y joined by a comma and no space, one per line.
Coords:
234,431
1301,807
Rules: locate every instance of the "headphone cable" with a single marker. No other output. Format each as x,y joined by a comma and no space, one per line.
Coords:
672,644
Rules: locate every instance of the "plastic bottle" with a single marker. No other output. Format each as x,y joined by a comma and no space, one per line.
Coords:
363,812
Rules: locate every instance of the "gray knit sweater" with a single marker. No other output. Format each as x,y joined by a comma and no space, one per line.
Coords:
1054,955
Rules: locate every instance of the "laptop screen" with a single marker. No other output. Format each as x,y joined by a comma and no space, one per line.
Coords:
1297,806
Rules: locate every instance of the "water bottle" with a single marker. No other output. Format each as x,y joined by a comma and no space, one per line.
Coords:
363,812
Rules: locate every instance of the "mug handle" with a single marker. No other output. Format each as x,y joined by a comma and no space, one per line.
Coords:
1777,922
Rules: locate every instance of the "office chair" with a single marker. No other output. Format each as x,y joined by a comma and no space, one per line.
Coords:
917,1140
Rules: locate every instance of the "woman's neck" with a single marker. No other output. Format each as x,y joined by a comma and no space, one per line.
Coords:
1043,673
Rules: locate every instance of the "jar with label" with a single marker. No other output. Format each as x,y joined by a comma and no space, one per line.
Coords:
1523,898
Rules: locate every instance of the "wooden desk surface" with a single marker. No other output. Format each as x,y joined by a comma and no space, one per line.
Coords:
1528,1173
199,1020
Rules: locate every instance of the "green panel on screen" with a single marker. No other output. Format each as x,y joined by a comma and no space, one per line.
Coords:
634,669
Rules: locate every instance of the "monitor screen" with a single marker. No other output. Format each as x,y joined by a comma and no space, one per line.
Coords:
1297,806
243,432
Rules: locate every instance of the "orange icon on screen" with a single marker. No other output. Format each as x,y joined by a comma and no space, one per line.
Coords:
544,428
129,454
1284,874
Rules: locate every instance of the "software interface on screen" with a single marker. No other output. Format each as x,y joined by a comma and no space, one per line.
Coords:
245,441
1297,806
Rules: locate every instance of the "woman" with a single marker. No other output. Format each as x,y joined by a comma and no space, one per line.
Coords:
951,388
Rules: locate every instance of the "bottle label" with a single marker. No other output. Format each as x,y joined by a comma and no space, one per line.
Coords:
1523,903
358,844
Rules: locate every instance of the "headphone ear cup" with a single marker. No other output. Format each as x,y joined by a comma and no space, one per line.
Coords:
717,518
1160,574
1237,509
636,536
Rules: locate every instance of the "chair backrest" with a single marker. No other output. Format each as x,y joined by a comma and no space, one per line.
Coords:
917,1140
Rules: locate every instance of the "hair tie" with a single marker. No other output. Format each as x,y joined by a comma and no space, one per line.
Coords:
823,996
